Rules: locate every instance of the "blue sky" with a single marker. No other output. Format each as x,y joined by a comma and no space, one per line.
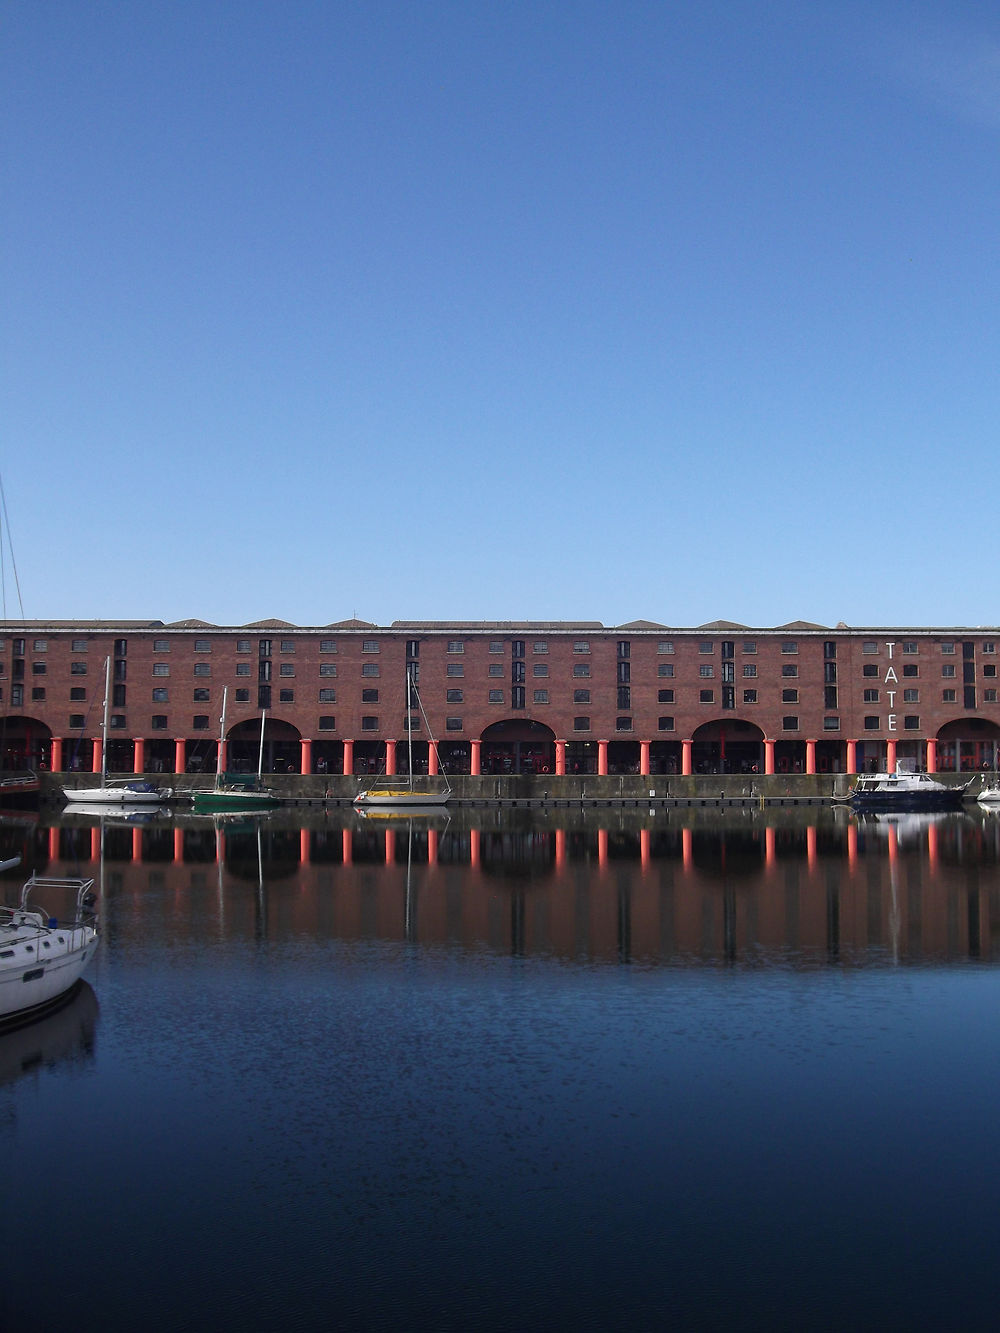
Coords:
574,310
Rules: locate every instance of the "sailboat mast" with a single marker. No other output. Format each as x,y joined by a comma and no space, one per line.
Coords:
409,729
104,734
222,739
260,752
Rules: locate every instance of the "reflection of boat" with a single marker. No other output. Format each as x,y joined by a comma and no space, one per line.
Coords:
405,793
43,956
122,812
117,791
394,811
990,796
65,1035
245,795
904,791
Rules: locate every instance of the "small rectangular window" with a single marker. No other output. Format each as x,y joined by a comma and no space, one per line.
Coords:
200,696
706,696
161,695
161,669
328,696
911,696
948,669
789,646
78,668
453,696
581,724
369,646
790,669
242,668
540,647
327,722
581,646
80,646
328,668
369,696
286,669
706,669
77,695
540,669
496,669
200,722
790,722
623,724
909,648
665,646
581,669
242,645
750,669
369,723
831,724
453,724
749,696
242,696
328,645
369,669
948,648
75,721
202,646
456,646
665,669
41,645
288,645
286,696
496,696
948,696
664,696
911,722
496,646
665,724
871,723
455,669
869,646
789,696
871,696
202,669
541,696
581,696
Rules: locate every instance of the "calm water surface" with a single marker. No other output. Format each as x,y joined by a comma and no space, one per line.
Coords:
595,1071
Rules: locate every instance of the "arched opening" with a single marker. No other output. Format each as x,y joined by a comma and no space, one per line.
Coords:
281,753
968,745
518,746
26,743
724,746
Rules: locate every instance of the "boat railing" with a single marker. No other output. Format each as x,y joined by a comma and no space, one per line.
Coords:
82,889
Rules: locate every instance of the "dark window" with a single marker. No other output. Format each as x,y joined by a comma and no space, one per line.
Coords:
706,696
790,723
624,696
327,722
517,697
201,696
369,696
623,724
453,724
286,696
581,696
159,721
664,696
369,723
665,724
579,724
453,696
200,722
871,723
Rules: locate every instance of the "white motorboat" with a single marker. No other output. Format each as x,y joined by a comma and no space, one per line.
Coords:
116,791
990,796
42,956
905,791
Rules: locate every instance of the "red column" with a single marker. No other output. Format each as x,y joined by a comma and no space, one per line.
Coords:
390,759
56,755
432,759
348,756
931,756
769,757
602,759
305,756
474,758
810,756
852,756
138,755
890,756
644,759
561,758
95,766
222,756
687,751
178,755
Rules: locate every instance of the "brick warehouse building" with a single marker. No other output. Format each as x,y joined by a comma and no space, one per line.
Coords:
499,698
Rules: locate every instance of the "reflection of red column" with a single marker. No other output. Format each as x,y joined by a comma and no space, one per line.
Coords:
390,759
893,845
931,756
474,847
769,757
770,852
178,755
560,848
348,756
561,757
932,848
852,847
852,756
432,846
138,755
305,756
687,748
390,846
137,844
95,766
56,754
602,847
304,847
95,843
644,845
687,848
178,845
432,759
475,758
602,758
53,844
811,847
810,756
644,759
890,756
347,855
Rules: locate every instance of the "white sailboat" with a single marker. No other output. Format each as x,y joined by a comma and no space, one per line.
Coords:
245,796
43,956
405,793
116,791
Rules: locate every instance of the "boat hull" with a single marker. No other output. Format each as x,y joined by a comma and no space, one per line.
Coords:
909,801
142,794
220,802
402,800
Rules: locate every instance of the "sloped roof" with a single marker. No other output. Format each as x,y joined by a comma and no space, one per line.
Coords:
723,624
642,624
351,624
190,624
801,624
269,624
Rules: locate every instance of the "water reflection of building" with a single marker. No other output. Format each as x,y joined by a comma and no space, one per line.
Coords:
684,886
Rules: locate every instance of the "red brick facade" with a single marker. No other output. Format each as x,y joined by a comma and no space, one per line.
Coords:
557,697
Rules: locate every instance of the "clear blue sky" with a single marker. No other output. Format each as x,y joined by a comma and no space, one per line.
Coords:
516,310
